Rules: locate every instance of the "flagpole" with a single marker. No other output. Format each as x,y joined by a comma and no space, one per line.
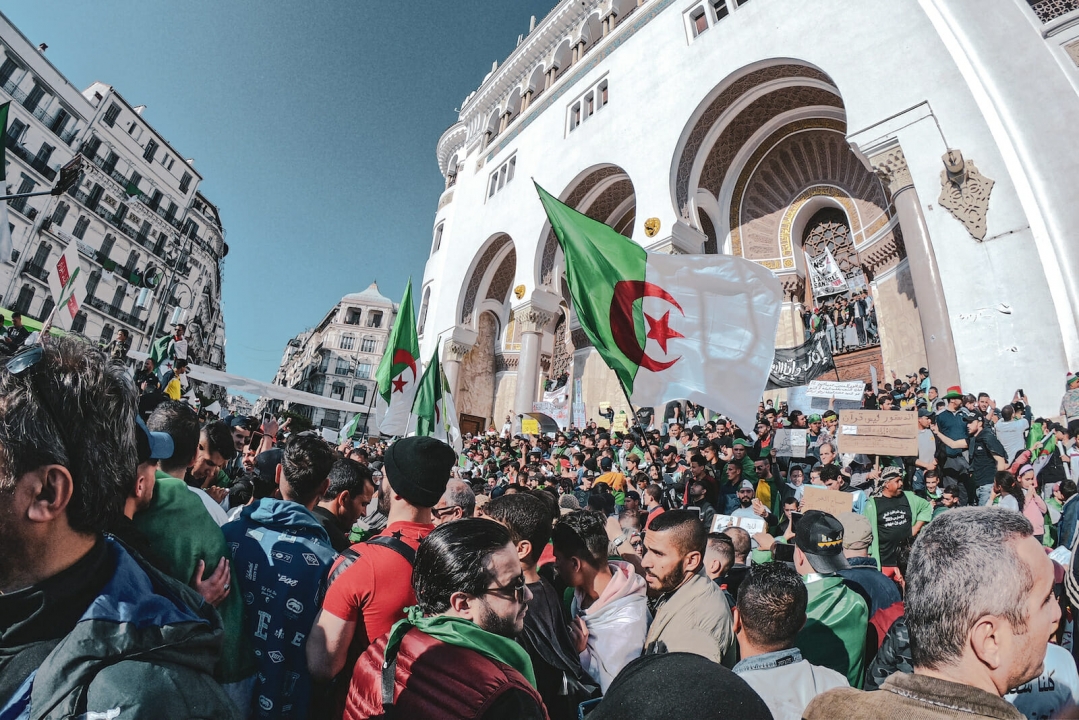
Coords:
636,417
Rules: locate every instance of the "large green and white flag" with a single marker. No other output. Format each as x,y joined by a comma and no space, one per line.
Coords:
433,412
5,229
349,429
397,372
672,327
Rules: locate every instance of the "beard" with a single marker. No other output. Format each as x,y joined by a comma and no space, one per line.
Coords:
492,622
668,583
16,557
384,497
746,502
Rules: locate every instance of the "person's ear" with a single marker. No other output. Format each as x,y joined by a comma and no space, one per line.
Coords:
51,489
463,605
524,549
736,620
988,641
692,561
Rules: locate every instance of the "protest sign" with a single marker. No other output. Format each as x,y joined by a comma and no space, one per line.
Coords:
530,426
799,440
790,443
878,432
751,525
798,365
825,276
838,390
832,502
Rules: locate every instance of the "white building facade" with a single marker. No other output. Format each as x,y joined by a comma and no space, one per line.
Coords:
929,144
150,244
337,359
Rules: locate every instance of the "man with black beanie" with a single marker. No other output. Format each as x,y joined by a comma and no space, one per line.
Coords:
369,595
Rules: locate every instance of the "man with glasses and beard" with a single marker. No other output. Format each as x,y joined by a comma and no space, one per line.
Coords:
691,612
370,586
454,655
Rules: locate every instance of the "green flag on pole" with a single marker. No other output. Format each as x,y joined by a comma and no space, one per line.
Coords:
397,374
427,407
160,350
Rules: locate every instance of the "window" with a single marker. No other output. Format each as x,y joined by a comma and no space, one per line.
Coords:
155,200
89,150
111,114
512,341
106,245
110,162
353,317
43,155
603,93
363,371
502,176
438,238
7,70
148,153
337,392
133,183
700,21
33,98
132,261
92,281
587,104
722,11
26,296
374,319
118,296
94,197
575,117
332,418
106,333
60,213
343,367
170,214
78,324
348,342
185,181
80,227
27,185
59,121
46,307
368,345
359,393
14,131
41,256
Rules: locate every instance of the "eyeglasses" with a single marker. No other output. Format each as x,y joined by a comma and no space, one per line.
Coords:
443,511
514,591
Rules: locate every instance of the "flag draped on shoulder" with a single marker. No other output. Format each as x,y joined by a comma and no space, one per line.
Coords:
694,327
397,373
5,229
159,351
433,412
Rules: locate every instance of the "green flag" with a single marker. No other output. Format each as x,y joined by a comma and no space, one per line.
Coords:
132,189
396,374
160,350
427,407
350,429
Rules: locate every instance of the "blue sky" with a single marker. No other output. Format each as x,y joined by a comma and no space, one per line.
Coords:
314,124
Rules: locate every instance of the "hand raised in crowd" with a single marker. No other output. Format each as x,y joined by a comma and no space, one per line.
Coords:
759,508
217,493
215,588
578,633
271,427
764,541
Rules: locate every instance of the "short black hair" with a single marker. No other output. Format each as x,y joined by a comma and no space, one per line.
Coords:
347,476
305,465
582,534
688,531
455,558
829,472
178,420
526,517
772,603
219,439
698,458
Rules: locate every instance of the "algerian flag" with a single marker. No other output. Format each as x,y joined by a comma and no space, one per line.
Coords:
433,413
349,429
159,351
397,373
6,247
672,327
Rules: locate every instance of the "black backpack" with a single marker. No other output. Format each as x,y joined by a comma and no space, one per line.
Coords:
350,556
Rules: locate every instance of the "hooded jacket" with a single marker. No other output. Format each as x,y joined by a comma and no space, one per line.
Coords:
617,624
282,557
145,648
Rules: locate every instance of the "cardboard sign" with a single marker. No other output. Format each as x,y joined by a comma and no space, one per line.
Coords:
751,525
790,443
837,390
799,439
530,426
878,432
833,502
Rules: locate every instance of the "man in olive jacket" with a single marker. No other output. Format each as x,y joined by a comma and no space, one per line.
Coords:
87,628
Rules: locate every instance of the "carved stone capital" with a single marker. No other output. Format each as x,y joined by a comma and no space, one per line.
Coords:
545,363
891,166
794,287
455,351
506,362
532,319
579,339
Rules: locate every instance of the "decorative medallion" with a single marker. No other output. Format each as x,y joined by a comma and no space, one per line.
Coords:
965,192
519,291
651,226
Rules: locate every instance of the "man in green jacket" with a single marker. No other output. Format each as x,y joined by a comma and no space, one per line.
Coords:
896,515
87,629
837,617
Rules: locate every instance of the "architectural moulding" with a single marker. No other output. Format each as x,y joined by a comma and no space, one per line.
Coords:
533,319
683,240
965,192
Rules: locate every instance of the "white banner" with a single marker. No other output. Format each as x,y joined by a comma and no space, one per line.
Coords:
838,390
826,277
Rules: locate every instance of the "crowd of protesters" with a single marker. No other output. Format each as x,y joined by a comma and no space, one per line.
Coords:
156,565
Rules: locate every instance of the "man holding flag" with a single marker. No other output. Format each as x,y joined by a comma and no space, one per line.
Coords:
700,328
398,371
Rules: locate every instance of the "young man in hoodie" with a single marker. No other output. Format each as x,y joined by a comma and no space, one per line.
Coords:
691,611
610,605
86,628
283,557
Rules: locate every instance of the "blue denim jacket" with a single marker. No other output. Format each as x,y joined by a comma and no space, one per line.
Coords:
768,661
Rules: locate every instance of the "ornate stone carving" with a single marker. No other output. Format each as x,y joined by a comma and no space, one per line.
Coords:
545,364
534,320
506,362
1047,10
477,275
499,289
794,287
965,192
579,339
891,167
455,351
884,255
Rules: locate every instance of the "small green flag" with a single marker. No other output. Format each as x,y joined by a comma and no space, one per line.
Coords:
132,189
427,407
160,350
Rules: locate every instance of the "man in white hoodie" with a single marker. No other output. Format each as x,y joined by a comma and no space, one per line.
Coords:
610,606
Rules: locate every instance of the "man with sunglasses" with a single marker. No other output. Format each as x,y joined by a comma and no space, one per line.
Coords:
454,655
86,627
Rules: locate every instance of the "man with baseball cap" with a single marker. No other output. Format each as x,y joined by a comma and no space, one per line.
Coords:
836,616
950,428
367,596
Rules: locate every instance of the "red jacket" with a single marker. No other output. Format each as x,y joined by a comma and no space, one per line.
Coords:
437,680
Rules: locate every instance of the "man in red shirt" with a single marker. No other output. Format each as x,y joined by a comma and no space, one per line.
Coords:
370,595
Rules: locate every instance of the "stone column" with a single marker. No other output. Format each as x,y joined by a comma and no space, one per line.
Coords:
527,99
453,352
890,163
549,76
533,318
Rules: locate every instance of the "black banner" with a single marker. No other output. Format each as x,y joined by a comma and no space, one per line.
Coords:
798,365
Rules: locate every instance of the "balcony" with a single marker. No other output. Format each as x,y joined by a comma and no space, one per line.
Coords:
19,205
38,271
116,313
50,120
30,159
